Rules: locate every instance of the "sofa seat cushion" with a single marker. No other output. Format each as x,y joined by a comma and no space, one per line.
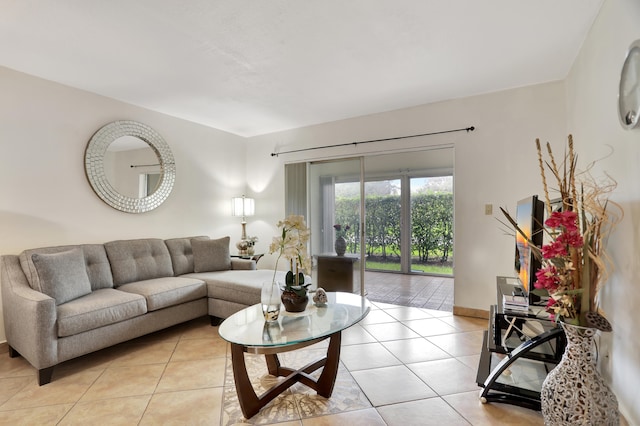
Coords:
239,286
98,309
164,292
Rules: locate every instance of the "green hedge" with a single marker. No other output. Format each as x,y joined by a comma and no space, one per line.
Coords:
431,225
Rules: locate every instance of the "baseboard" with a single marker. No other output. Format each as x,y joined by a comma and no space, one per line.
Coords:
4,347
470,312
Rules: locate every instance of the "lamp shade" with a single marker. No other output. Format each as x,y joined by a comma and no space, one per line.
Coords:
242,206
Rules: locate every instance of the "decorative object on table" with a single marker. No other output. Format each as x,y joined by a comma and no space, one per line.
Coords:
574,393
292,245
243,207
270,300
341,243
294,295
251,245
320,297
574,267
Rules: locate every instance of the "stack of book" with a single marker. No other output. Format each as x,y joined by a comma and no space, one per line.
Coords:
515,303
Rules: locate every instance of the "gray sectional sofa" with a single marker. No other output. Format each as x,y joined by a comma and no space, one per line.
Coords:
63,302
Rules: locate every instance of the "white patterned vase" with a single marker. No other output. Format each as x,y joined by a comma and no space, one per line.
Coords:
574,393
340,246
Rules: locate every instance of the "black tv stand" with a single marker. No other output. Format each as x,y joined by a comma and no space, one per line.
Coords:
534,299
519,349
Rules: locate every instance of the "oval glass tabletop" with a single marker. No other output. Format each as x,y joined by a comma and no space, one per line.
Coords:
248,327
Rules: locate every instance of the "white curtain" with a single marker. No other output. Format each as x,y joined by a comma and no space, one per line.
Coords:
295,189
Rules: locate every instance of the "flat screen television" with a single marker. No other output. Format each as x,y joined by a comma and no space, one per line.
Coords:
530,219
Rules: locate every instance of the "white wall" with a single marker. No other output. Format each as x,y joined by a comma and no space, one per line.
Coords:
592,88
496,164
45,198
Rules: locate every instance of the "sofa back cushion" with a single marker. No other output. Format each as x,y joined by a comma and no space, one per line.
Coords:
138,260
62,275
182,254
211,255
95,260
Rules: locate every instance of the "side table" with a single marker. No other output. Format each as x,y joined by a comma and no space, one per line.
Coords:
255,256
336,273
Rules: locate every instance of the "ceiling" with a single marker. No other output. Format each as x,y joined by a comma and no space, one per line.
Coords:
252,67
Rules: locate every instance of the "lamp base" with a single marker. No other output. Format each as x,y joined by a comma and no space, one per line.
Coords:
243,247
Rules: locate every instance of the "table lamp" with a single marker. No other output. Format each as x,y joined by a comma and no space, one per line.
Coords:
243,207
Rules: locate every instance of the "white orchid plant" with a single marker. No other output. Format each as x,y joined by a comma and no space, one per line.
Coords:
292,245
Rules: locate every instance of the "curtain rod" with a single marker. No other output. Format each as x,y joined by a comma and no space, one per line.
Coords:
143,165
466,129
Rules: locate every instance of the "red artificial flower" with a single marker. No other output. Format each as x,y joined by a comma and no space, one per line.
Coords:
554,249
547,278
566,219
549,308
572,238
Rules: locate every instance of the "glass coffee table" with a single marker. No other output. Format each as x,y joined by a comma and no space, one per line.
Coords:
247,331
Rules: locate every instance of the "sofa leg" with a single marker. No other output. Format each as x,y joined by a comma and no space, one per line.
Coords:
44,375
215,321
13,353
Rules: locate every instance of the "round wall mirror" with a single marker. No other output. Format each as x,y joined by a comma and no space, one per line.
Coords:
130,166
629,90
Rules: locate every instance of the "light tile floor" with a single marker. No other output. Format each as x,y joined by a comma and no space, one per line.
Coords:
399,366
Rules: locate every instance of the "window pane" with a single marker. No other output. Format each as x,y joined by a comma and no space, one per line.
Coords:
432,225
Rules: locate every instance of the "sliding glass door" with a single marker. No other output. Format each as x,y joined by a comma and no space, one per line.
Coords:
383,211
395,212
409,212
335,210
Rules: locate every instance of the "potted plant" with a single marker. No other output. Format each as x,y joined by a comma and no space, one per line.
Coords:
292,245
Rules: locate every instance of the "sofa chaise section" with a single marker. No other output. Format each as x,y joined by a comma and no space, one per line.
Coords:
233,290
232,283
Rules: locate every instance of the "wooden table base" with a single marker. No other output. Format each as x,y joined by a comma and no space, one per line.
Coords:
251,403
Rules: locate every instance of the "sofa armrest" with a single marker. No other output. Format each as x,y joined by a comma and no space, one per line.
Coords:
246,264
29,316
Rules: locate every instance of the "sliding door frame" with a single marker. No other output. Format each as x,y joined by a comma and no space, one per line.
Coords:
326,240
